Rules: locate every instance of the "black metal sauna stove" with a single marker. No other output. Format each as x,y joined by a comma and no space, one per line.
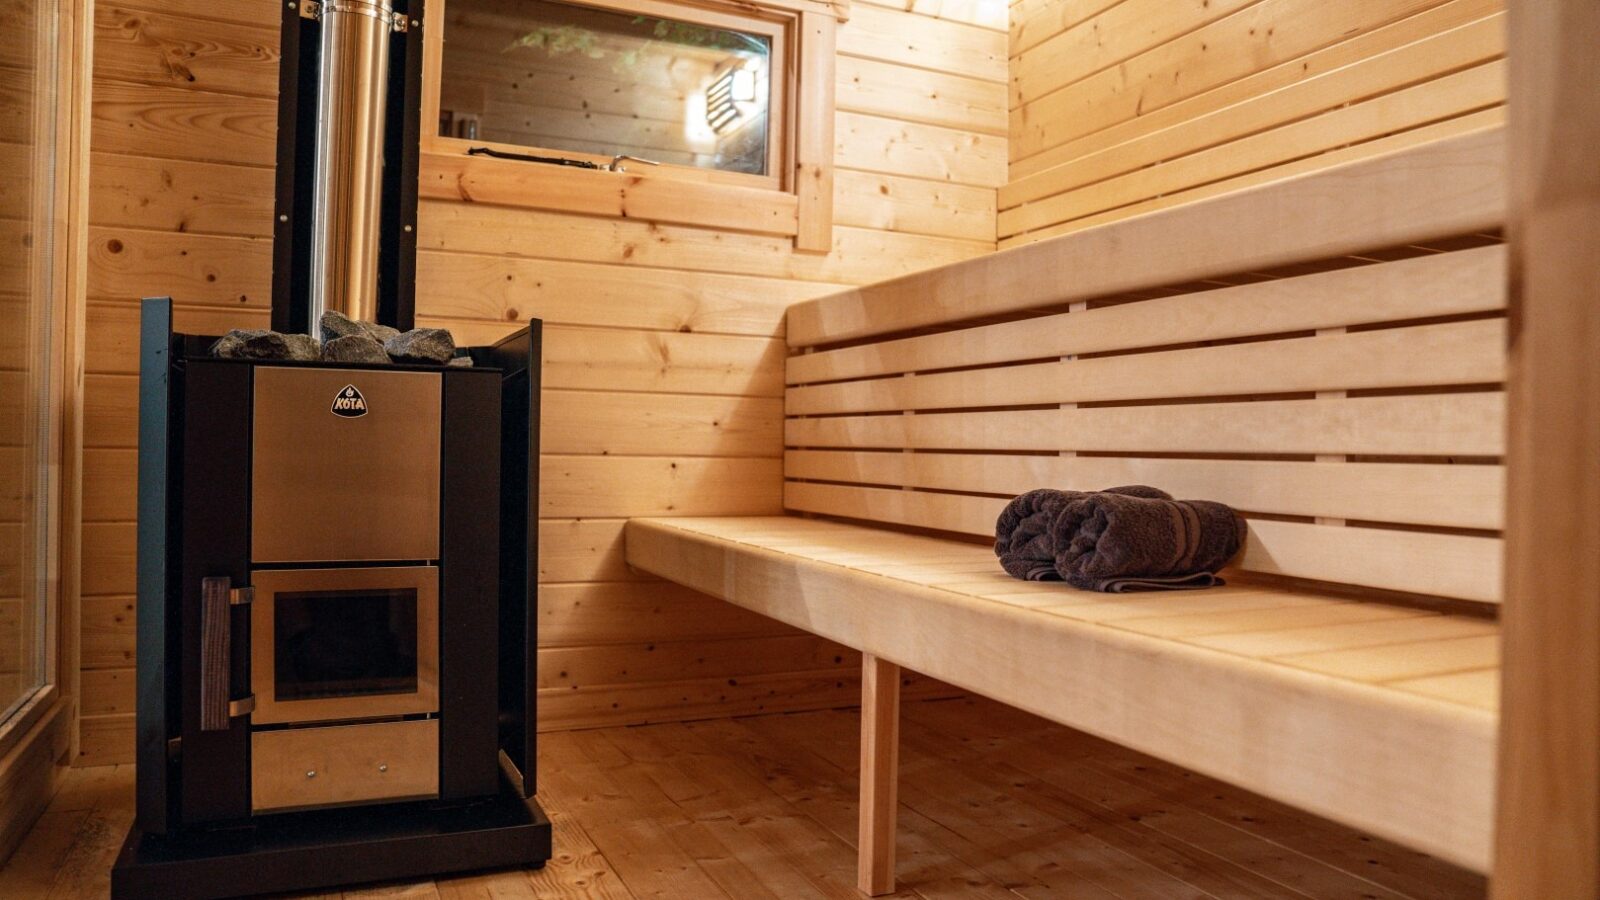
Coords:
337,569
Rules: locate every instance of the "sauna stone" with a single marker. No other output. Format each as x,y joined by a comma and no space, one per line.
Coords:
257,343
334,324
422,345
354,348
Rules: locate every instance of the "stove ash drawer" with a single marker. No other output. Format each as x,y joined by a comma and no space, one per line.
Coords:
342,765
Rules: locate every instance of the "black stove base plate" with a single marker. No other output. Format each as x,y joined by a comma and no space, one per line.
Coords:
324,848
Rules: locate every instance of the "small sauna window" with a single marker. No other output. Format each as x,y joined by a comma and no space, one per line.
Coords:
675,84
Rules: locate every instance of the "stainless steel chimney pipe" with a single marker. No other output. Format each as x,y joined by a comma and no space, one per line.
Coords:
348,191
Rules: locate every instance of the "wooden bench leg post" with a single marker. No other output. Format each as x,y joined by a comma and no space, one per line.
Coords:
880,771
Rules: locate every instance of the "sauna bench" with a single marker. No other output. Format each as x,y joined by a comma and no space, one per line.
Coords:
1279,691
1325,354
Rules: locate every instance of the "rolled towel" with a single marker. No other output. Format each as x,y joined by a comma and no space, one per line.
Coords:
1117,544
1022,535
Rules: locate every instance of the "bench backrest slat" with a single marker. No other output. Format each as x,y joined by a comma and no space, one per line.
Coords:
1350,405
1448,187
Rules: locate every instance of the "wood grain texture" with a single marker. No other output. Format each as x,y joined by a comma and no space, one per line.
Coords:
880,775
1549,814
1423,776
994,803
1457,185
1115,106
664,347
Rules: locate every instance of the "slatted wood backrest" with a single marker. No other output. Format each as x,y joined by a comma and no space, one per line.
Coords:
1324,354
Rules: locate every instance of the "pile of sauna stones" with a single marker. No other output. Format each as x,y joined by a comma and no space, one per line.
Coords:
345,340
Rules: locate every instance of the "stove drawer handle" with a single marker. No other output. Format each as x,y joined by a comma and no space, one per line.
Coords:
218,596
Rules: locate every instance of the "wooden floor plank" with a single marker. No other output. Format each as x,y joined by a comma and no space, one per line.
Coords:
86,869
995,727
996,804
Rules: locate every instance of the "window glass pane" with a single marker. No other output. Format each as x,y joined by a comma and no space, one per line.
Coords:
344,643
28,222
577,78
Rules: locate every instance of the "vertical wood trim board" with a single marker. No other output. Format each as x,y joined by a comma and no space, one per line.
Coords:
1549,814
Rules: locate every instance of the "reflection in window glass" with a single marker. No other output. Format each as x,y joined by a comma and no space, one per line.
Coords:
28,223
577,78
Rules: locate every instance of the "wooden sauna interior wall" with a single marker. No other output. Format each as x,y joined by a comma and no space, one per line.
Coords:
664,351
1121,107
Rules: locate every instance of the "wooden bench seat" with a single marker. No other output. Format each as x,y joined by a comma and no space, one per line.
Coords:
1325,354
1379,715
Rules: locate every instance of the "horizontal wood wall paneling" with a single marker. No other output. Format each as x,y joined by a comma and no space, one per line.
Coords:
106,692
108,558
577,422
919,150
1463,282
988,14
1456,496
159,49
583,550
194,269
1449,129
875,32
860,255
1464,125
627,486
506,289
108,632
625,195
1458,185
953,101
1120,32
1035,21
1446,565
1448,354
180,195
1222,51
1450,95
177,123
110,484
1434,55
111,411
240,12
665,362
913,205
1427,425
1267,81
598,613
104,740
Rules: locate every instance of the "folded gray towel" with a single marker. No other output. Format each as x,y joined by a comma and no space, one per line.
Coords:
1117,543
1023,536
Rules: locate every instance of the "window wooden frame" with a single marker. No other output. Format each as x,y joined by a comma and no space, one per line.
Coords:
795,199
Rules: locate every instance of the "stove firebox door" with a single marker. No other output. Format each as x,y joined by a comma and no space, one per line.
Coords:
345,465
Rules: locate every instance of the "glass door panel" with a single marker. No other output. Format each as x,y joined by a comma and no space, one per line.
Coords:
29,228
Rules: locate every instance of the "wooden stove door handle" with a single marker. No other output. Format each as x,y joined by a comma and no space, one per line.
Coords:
218,596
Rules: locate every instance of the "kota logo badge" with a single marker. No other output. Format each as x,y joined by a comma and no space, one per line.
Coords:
349,403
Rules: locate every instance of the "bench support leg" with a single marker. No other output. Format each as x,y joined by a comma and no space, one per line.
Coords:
880,770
